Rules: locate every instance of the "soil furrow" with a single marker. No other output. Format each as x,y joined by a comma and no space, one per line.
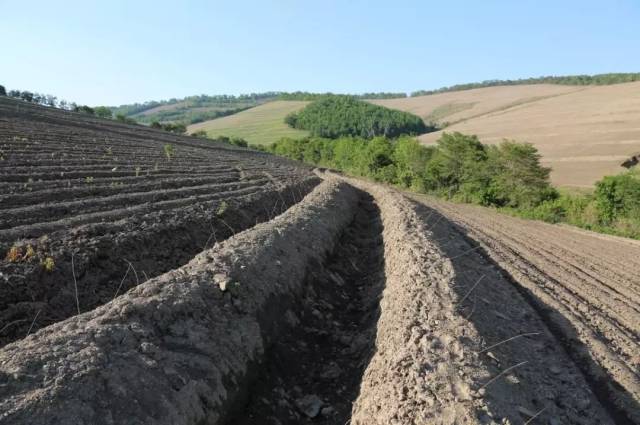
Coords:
312,374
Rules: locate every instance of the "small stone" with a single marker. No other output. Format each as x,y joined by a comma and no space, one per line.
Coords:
310,405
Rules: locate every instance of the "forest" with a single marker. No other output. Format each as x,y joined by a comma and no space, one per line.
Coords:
335,116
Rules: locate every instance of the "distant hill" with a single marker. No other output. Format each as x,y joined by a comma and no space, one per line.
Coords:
582,132
195,109
192,109
260,125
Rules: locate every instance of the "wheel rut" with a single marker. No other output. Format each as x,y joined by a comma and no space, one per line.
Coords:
313,373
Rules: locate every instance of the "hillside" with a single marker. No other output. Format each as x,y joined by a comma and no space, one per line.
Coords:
261,125
583,133
165,279
191,109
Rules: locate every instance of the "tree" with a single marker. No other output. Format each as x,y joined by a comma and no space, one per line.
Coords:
518,178
103,112
27,96
84,109
411,160
458,161
3,92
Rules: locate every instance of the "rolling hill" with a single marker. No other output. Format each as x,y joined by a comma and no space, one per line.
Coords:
583,133
261,125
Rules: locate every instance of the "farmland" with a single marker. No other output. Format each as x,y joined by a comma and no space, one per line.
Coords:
261,125
151,278
582,132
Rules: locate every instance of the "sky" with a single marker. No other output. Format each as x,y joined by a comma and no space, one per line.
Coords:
116,52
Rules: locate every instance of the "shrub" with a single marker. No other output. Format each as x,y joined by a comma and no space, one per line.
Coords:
618,197
169,151
103,112
199,133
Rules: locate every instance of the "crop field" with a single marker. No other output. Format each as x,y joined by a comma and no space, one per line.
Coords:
149,278
260,125
583,133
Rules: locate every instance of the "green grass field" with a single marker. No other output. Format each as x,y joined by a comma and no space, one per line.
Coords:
261,125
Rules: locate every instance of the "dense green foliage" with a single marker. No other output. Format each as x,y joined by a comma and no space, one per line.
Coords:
177,128
338,116
102,112
570,80
507,176
459,167
236,141
614,207
126,120
304,95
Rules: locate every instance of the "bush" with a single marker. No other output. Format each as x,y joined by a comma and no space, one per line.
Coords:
200,133
103,112
618,197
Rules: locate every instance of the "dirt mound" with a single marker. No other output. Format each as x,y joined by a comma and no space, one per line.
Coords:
455,342
180,348
584,286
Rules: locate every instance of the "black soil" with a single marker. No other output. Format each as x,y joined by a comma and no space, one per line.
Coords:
312,374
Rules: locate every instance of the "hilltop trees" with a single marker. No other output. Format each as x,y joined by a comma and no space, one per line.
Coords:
3,91
569,80
338,116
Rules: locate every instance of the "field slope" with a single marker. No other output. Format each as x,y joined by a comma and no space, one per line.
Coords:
583,133
260,125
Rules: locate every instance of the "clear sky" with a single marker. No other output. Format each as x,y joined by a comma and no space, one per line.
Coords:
114,52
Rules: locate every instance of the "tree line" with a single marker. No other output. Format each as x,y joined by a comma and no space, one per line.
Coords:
308,96
508,176
569,80
339,115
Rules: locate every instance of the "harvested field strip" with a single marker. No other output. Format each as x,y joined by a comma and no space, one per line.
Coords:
110,261
181,348
313,373
573,290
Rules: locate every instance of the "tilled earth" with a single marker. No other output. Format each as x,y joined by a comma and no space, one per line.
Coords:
224,286
585,286
104,206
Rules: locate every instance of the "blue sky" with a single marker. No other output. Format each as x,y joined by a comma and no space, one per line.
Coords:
115,52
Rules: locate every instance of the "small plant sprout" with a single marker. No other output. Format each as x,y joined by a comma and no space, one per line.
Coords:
48,264
30,252
109,150
14,254
88,179
138,169
169,151
222,208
